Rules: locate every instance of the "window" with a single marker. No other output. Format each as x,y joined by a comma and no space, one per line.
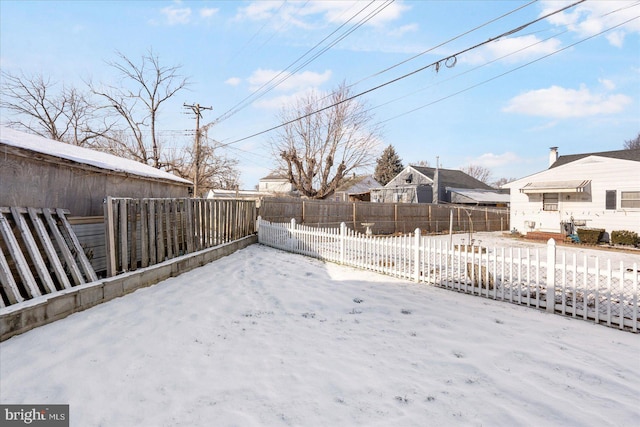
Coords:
630,199
550,201
610,200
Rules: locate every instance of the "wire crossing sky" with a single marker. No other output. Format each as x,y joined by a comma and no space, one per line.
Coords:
569,78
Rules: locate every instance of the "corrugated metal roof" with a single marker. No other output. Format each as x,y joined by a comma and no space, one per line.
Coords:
481,196
574,186
358,185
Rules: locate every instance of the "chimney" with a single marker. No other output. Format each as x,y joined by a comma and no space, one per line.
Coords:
553,155
436,186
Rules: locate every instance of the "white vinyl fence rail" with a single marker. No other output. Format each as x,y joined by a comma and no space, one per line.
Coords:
601,292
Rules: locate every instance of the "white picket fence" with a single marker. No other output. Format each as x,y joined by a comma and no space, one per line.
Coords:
600,292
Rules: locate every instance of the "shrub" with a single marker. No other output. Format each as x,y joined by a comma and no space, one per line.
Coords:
624,237
590,236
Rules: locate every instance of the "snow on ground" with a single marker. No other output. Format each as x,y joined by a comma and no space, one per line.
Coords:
263,337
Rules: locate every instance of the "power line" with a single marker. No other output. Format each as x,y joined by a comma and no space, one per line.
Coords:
256,33
448,61
283,76
566,26
443,43
508,72
227,145
435,47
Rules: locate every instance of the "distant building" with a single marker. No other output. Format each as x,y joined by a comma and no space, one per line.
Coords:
418,184
276,184
42,173
355,188
597,190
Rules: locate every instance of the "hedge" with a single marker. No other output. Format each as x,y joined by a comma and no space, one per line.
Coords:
590,236
624,237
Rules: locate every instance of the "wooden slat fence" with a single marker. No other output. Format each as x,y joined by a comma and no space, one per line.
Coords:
582,288
388,218
39,254
144,232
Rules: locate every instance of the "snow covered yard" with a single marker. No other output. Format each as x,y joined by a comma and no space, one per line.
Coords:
263,337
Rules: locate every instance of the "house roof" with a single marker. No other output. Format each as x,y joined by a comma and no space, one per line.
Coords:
453,178
619,154
275,176
358,184
37,144
482,196
572,186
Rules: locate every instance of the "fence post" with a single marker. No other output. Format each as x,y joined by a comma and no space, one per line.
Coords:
343,241
551,275
110,236
416,255
260,233
292,228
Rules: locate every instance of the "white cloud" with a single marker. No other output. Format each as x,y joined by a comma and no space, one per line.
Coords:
518,48
558,102
233,81
176,15
312,13
295,82
401,31
590,18
257,11
278,102
491,160
616,38
207,12
608,84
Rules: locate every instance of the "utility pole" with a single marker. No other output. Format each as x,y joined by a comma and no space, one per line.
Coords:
197,108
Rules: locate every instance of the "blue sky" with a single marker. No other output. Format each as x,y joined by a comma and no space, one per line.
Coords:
501,105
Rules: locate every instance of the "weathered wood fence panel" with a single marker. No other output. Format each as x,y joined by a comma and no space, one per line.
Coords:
39,254
574,287
388,218
144,232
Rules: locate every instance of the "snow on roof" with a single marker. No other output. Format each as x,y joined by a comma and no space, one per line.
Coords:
82,155
359,184
484,196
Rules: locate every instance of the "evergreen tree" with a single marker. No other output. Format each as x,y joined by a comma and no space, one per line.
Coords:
388,166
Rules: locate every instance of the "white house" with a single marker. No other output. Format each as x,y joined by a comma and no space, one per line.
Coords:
276,183
595,190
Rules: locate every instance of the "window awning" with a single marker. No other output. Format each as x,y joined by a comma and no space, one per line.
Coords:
557,187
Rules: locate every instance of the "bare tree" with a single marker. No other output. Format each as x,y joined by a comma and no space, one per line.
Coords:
421,163
478,172
318,149
633,144
215,171
39,106
502,181
137,101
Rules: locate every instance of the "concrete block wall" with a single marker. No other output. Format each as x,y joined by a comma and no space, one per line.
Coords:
22,317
